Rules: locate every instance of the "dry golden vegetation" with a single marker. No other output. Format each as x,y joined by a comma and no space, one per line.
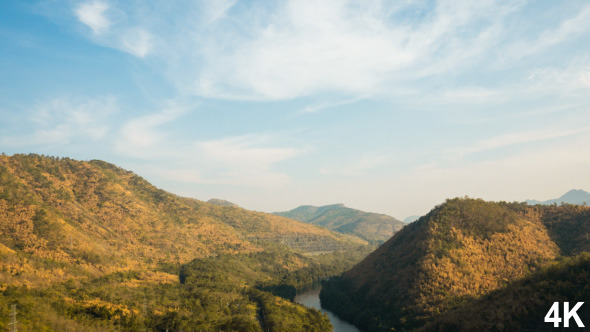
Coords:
89,242
462,250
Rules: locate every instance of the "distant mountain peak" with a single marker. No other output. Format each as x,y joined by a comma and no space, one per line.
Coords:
410,219
574,196
373,227
337,205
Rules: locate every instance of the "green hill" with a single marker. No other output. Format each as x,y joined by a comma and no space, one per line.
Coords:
460,251
372,227
88,246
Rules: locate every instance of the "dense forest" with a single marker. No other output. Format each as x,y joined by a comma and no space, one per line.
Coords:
88,246
373,227
449,261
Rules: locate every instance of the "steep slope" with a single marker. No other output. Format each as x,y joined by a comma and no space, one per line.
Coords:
96,211
86,243
523,304
372,227
462,249
574,196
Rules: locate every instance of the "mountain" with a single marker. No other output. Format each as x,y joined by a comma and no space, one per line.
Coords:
574,196
88,246
373,227
410,219
460,251
221,202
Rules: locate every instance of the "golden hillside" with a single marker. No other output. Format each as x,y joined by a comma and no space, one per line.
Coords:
462,249
98,215
88,246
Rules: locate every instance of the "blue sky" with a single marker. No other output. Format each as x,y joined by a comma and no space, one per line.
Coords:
385,106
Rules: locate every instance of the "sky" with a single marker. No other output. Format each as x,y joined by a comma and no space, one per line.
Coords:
385,106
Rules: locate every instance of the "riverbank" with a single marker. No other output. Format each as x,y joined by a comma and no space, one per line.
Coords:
311,299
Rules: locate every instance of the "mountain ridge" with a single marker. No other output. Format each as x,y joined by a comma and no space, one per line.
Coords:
84,243
462,249
373,227
574,196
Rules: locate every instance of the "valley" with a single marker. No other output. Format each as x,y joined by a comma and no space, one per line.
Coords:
311,299
460,257
88,246
294,166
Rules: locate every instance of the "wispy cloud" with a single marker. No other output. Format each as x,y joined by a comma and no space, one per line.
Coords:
136,41
290,49
245,160
543,171
498,78
566,31
111,27
231,161
568,81
519,138
362,166
316,107
142,136
93,14
61,121
215,10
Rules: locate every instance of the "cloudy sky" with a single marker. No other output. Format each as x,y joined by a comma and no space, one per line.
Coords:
385,106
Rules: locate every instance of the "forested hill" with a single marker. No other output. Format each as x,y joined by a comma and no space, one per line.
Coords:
75,208
91,233
523,304
373,227
462,249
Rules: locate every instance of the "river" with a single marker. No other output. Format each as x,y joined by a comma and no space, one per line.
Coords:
311,299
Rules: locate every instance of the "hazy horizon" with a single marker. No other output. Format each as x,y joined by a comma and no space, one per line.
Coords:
384,107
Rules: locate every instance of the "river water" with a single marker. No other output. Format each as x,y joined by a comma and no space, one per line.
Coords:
311,299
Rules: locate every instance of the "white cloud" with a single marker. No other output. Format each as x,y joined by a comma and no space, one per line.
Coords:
233,161
62,121
519,138
290,49
237,161
93,14
240,150
113,27
136,41
307,47
566,31
140,136
244,160
215,10
467,60
568,81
